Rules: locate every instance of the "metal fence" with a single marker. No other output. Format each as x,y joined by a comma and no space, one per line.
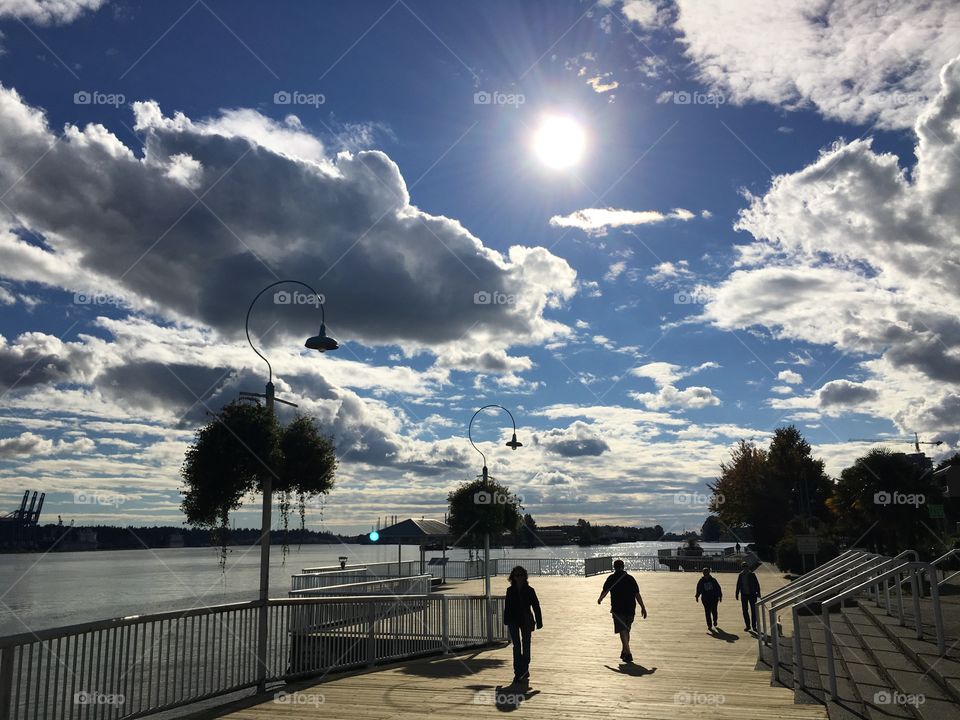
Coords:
131,667
415,585
378,569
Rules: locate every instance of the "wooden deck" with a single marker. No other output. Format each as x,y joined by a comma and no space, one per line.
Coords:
679,669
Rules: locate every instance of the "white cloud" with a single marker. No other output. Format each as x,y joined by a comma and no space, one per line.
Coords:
790,377
596,221
856,253
857,61
45,12
615,270
690,398
665,272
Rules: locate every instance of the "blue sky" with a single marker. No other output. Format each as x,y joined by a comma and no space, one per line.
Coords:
758,230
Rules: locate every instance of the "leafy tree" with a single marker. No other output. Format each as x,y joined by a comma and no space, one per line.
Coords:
237,450
712,529
479,507
527,533
880,501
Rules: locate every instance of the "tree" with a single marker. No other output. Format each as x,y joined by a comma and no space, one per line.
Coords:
241,446
712,529
479,507
880,501
527,533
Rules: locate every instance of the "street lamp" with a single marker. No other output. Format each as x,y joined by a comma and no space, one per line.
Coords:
322,343
513,444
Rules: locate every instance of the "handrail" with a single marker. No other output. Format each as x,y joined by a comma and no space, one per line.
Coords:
816,572
874,575
915,568
833,567
412,580
796,598
950,553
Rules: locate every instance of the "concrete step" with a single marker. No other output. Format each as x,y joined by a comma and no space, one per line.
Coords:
847,703
945,671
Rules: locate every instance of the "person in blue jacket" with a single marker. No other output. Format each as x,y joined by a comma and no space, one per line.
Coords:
521,613
710,594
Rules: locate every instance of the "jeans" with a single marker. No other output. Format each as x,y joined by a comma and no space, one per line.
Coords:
710,609
749,605
520,637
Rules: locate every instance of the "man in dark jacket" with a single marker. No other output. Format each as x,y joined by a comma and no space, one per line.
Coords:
624,598
710,594
521,609
748,590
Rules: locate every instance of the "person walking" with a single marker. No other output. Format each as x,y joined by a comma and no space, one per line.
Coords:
748,591
624,598
710,594
521,613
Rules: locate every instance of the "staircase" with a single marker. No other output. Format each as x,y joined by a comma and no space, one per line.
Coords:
881,668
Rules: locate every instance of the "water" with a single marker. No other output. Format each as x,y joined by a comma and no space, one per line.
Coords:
41,591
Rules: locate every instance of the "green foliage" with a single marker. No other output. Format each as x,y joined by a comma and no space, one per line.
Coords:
711,529
766,489
238,449
478,508
880,501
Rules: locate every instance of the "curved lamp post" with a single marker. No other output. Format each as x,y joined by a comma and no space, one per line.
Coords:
513,445
322,343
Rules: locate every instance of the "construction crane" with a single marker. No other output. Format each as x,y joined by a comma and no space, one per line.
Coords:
18,528
917,442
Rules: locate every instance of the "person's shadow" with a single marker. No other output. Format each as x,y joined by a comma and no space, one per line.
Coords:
510,697
632,669
722,635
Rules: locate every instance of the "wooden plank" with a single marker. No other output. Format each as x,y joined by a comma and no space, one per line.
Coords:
679,669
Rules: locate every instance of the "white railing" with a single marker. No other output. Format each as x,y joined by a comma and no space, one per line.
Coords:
135,666
914,569
462,569
378,569
323,579
415,585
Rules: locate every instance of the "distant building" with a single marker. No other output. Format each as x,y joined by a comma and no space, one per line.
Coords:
949,479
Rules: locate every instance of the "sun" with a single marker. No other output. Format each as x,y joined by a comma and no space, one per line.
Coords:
559,142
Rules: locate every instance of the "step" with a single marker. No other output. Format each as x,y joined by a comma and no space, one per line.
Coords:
906,681
847,702
945,671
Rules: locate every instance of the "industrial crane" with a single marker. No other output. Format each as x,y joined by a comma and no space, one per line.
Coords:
917,442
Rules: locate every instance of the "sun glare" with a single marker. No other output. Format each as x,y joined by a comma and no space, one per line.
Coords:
559,142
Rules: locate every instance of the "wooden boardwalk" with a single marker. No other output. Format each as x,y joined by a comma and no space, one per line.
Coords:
679,669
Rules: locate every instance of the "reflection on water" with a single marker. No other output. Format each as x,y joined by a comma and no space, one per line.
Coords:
40,591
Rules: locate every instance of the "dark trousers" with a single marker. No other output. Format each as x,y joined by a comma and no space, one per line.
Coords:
710,609
520,637
749,605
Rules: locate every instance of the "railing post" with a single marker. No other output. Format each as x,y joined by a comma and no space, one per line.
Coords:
371,634
775,647
937,615
445,622
899,580
797,651
6,681
916,603
886,595
828,647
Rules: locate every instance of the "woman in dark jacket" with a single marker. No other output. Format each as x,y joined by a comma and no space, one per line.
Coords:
521,611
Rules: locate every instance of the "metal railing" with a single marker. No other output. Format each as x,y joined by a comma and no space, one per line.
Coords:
377,569
322,579
913,568
461,569
414,585
946,556
131,667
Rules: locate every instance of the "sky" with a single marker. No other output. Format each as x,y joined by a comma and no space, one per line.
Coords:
648,229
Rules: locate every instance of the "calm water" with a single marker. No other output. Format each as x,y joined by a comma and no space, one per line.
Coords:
39,591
